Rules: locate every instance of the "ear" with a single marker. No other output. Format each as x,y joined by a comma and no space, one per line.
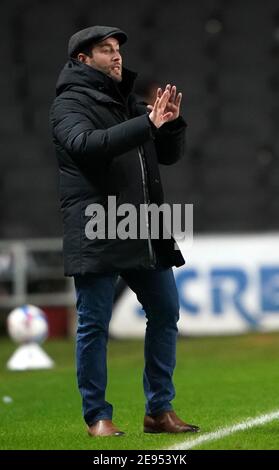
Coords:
81,57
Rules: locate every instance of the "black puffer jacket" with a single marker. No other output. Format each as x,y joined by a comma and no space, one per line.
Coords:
106,145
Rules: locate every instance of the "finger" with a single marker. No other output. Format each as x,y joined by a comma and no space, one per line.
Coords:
164,99
155,106
163,102
178,99
168,87
167,116
149,106
159,92
171,106
173,93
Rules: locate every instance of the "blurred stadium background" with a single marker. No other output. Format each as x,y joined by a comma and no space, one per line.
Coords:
224,56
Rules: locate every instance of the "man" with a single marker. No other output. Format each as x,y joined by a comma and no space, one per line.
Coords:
107,144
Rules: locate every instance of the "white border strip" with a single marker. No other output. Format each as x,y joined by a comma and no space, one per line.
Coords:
219,434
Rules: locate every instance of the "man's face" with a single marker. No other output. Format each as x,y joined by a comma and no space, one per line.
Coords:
106,58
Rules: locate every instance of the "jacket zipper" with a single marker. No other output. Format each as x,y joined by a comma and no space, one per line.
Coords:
146,202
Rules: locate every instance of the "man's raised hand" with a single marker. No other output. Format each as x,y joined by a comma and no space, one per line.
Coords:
166,107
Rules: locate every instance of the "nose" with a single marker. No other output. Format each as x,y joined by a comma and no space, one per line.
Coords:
117,56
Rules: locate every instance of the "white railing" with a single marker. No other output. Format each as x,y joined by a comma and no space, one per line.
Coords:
23,262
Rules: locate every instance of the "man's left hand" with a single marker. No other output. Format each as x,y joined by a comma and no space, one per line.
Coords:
173,104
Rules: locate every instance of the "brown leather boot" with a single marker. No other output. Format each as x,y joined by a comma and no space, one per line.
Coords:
104,427
167,421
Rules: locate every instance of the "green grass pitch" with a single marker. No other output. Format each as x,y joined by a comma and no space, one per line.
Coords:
219,382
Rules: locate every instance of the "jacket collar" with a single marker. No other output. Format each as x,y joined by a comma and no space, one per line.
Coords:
78,76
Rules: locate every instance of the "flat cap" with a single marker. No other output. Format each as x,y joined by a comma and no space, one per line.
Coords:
94,34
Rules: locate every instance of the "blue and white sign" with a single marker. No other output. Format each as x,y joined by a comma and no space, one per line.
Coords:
229,285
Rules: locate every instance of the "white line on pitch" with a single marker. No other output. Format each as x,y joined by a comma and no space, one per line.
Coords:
220,433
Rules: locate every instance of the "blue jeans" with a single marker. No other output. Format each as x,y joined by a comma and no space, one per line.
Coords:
156,291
